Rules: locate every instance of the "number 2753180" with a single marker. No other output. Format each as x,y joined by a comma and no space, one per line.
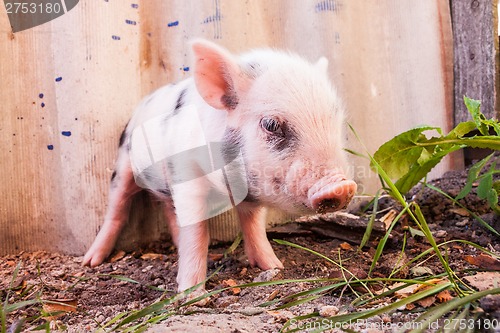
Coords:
33,8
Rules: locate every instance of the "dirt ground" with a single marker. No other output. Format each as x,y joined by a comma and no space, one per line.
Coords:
99,295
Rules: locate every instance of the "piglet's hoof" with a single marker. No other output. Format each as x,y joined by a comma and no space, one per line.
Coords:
183,298
268,275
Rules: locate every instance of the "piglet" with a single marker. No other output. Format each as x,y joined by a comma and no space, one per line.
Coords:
264,129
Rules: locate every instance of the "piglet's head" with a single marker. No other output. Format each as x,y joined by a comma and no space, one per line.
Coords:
286,118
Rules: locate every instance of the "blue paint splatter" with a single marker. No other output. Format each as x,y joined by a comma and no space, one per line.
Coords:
40,95
185,69
213,18
116,37
58,79
173,24
50,147
42,105
134,5
66,133
327,5
130,22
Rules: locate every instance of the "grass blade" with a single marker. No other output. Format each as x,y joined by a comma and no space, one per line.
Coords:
440,310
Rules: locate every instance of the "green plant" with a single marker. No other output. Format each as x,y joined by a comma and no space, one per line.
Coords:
409,156
488,188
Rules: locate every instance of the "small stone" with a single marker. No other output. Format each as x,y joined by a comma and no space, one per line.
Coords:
374,319
224,302
421,271
267,275
147,268
440,234
328,311
462,223
281,316
58,273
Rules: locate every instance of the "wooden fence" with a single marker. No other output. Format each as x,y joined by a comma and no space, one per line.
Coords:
69,86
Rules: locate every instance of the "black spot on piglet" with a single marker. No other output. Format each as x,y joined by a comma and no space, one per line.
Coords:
180,101
230,101
123,136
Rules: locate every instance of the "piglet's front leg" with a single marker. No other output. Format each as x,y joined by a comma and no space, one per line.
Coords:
257,246
193,250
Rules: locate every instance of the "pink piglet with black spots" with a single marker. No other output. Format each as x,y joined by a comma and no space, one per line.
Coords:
264,129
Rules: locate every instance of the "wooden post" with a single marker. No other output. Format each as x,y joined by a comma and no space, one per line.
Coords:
475,34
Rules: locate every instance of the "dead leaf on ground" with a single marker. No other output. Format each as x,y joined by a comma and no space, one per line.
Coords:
460,211
406,291
484,261
388,218
273,295
484,280
19,286
427,302
232,283
345,246
444,296
415,288
59,307
117,256
410,306
153,256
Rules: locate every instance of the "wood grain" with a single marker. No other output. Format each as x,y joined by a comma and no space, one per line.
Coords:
475,34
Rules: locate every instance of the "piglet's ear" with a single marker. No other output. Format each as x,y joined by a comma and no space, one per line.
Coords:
217,75
322,64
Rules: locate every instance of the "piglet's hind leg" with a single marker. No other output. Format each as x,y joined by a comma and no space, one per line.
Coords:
122,189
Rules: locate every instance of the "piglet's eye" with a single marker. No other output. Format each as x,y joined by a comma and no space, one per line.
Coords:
271,125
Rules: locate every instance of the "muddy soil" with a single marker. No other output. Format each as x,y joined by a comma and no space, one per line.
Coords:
134,280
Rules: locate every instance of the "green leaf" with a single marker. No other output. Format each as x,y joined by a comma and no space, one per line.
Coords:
492,197
420,170
494,124
461,129
397,155
474,108
489,142
472,177
371,221
485,185
415,232
496,186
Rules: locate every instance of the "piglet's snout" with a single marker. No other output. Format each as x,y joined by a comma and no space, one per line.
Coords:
332,193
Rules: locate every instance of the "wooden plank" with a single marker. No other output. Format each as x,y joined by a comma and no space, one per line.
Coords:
475,34
392,60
